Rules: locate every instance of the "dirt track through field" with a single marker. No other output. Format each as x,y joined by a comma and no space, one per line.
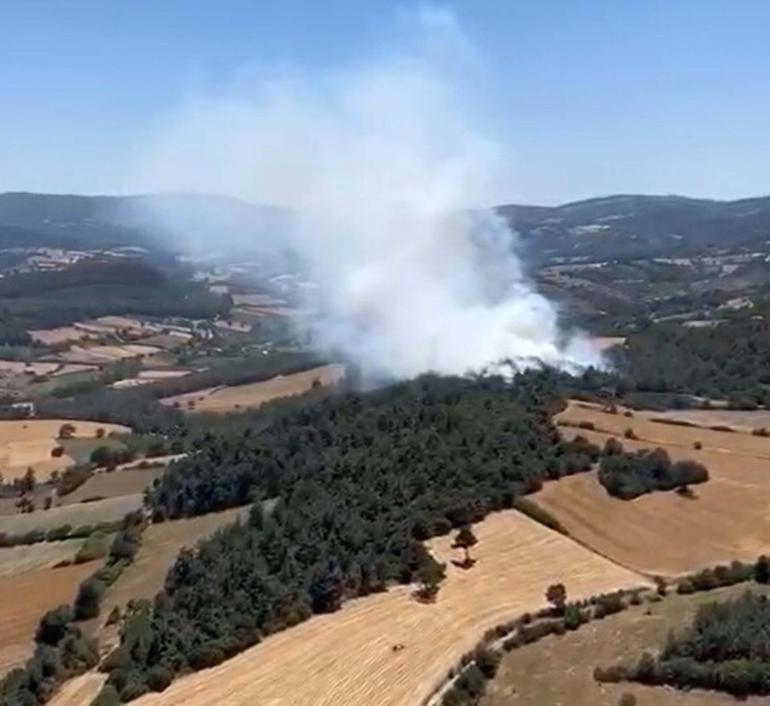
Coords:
80,691
346,659
662,532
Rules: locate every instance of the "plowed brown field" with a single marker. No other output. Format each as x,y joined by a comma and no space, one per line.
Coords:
345,659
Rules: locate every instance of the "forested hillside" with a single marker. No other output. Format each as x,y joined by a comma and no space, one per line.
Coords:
634,225
356,481
731,359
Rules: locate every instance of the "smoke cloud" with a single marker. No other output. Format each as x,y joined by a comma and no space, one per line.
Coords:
384,166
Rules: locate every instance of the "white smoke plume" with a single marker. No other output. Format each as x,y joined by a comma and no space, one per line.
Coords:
382,164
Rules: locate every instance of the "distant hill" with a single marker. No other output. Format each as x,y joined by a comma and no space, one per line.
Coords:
633,225
623,226
28,219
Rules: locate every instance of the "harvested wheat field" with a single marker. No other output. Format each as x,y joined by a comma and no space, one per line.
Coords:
79,691
28,443
736,443
227,399
738,419
24,599
62,334
346,658
98,355
662,532
75,515
113,485
558,671
43,555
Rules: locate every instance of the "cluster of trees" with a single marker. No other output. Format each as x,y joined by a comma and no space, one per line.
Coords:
727,648
628,475
344,490
61,652
124,547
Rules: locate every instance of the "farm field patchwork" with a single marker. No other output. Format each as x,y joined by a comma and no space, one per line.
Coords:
29,442
346,658
559,670
107,354
228,399
663,532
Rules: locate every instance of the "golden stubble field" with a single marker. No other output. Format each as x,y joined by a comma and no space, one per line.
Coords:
25,598
346,658
28,443
228,399
664,533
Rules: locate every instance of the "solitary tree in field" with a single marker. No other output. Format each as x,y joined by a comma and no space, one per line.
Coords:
66,431
556,595
429,576
762,570
29,481
465,539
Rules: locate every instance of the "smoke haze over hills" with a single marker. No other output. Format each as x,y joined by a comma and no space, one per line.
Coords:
380,163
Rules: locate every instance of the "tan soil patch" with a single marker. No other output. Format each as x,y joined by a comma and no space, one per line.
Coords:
24,599
558,671
227,399
346,659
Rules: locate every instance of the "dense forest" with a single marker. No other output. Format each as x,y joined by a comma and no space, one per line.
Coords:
629,475
727,648
731,360
37,300
354,483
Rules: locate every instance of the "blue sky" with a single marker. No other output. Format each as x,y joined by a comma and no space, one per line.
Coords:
587,97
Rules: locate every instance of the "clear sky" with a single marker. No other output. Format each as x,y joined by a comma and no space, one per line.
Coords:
591,97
